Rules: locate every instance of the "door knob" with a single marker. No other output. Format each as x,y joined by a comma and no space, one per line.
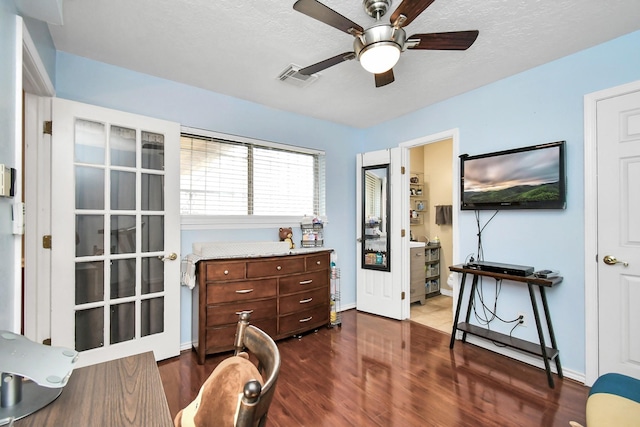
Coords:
611,260
171,257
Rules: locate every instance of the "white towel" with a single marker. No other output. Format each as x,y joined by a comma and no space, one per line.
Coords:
188,270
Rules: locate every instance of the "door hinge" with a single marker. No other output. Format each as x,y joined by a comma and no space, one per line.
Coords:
46,241
402,295
401,170
403,233
47,127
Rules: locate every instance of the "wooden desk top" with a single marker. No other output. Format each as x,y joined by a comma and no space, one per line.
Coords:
122,392
523,279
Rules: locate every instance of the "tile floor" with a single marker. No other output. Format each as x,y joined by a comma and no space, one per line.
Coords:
435,313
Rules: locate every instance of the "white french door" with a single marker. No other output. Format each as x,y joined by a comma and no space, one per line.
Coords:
378,291
115,233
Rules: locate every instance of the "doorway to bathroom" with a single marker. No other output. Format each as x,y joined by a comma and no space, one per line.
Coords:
432,195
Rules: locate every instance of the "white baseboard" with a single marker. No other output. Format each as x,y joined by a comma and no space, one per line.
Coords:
345,307
446,292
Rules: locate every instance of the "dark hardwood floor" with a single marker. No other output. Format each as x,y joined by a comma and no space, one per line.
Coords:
373,371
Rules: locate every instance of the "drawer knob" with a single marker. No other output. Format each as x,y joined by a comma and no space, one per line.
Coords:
305,320
226,272
318,262
306,282
304,301
279,268
244,311
244,291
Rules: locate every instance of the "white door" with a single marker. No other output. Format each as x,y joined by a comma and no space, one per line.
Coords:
380,291
115,233
618,136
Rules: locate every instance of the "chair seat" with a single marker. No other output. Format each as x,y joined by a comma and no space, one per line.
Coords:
614,400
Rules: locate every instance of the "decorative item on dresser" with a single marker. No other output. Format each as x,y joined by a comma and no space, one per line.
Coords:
286,295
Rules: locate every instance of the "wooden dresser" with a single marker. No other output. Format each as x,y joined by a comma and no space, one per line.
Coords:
286,295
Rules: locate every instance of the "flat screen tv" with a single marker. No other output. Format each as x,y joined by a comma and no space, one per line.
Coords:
522,178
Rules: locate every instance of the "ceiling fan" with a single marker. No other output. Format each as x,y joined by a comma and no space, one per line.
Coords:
378,47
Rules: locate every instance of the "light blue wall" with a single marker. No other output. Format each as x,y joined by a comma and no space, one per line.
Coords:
96,83
8,121
541,105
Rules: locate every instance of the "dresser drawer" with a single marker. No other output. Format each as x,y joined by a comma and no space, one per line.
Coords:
304,300
229,313
304,320
240,291
302,282
275,267
317,262
224,270
223,338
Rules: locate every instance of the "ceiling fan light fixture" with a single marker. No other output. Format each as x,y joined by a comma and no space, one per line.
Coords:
379,57
379,47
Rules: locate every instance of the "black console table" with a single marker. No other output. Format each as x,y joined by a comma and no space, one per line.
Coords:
538,349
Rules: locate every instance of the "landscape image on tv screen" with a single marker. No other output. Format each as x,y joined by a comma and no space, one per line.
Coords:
513,178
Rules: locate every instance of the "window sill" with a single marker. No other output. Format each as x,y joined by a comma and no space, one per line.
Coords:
225,222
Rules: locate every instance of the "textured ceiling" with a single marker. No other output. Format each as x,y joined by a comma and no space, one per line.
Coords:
238,48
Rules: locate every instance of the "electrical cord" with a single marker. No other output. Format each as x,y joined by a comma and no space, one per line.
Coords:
488,314
480,252
483,318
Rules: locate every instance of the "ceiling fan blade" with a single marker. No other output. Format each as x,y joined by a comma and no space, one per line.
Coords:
322,13
385,78
315,68
455,40
411,9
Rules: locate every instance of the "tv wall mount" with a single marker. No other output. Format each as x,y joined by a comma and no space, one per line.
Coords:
33,375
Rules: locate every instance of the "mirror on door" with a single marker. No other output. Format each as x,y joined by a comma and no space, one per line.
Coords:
376,212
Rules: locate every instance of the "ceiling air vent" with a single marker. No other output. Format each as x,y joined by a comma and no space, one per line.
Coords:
292,76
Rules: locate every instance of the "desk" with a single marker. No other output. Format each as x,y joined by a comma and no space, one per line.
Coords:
122,392
538,349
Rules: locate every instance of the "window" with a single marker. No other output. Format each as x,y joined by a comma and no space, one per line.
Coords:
223,175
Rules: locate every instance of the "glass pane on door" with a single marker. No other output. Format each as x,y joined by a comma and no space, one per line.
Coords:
90,142
123,234
152,233
123,278
152,192
123,190
89,282
152,150
89,235
89,328
152,316
152,275
89,187
122,146
123,323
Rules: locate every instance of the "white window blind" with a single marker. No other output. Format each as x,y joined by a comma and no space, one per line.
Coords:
225,177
